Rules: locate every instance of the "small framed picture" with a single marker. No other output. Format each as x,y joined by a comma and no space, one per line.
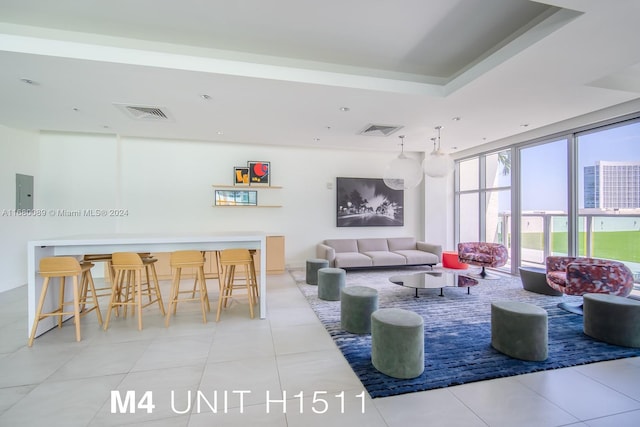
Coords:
241,175
259,173
236,198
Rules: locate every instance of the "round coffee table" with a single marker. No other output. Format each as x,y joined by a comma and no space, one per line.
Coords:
434,280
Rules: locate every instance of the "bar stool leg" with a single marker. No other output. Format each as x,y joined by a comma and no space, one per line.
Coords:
137,283
61,299
157,288
247,275
90,286
116,289
205,295
36,320
76,308
204,298
173,296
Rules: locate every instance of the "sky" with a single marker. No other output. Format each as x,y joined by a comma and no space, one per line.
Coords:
544,176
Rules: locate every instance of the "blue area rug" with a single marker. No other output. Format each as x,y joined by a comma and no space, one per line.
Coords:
457,333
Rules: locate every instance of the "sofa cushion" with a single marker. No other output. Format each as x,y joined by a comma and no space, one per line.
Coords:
401,243
368,245
415,256
383,258
352,259
343,245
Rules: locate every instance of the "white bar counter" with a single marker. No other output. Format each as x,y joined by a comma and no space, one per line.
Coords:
109,243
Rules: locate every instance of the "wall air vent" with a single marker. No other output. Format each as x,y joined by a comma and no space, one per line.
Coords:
144,113
379,130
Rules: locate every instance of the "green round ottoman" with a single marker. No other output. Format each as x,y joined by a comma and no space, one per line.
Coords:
313,265
612,319
519,330
397,342
330,283
357,303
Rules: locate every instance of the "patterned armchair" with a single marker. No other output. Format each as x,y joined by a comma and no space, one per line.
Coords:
483,254
578,276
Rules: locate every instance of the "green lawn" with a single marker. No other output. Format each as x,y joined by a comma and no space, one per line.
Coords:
619,245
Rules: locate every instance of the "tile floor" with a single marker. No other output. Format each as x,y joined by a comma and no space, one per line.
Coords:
243,372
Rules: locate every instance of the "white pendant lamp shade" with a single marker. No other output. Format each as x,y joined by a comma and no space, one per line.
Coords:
402,173
437,164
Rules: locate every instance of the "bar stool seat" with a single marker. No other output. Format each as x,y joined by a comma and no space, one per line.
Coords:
188,259
63,267
127,287
229,260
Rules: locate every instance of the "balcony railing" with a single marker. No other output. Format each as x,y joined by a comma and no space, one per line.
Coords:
605,235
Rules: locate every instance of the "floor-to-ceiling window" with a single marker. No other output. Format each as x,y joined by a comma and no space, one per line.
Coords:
576,193
609,193
468,184
543,201
483,198
497,197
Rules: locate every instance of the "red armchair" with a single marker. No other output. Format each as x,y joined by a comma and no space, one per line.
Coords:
484,254
578,276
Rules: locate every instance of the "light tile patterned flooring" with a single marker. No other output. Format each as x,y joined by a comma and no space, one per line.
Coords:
270,371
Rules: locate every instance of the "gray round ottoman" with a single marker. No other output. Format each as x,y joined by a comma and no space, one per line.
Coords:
313,265
330,283
612,319
357,303
519,330
397,342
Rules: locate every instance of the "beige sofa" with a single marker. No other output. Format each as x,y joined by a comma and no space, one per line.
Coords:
378,252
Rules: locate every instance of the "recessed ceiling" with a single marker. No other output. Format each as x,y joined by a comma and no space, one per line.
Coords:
278,72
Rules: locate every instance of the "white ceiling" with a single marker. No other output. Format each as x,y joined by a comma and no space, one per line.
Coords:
279,71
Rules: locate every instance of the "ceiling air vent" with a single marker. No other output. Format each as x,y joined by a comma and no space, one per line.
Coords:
379,130
145,113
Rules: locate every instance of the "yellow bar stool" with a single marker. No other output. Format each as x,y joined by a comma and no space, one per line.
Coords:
188,259
106,258
63,267
149,271
128,286
229,260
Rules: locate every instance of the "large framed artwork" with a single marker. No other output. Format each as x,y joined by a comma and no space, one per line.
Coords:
368,202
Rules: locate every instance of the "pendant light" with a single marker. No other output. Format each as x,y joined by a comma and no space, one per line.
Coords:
402,173
437,164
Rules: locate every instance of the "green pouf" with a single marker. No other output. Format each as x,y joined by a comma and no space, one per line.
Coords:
357,303
612,319
313,265
397,342
330,283
519,330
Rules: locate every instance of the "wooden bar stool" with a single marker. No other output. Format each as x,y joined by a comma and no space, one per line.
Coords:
150,272
106,258
128,286
64,267
229,260
188,259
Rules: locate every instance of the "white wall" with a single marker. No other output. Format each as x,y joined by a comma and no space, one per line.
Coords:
18,154
167,186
